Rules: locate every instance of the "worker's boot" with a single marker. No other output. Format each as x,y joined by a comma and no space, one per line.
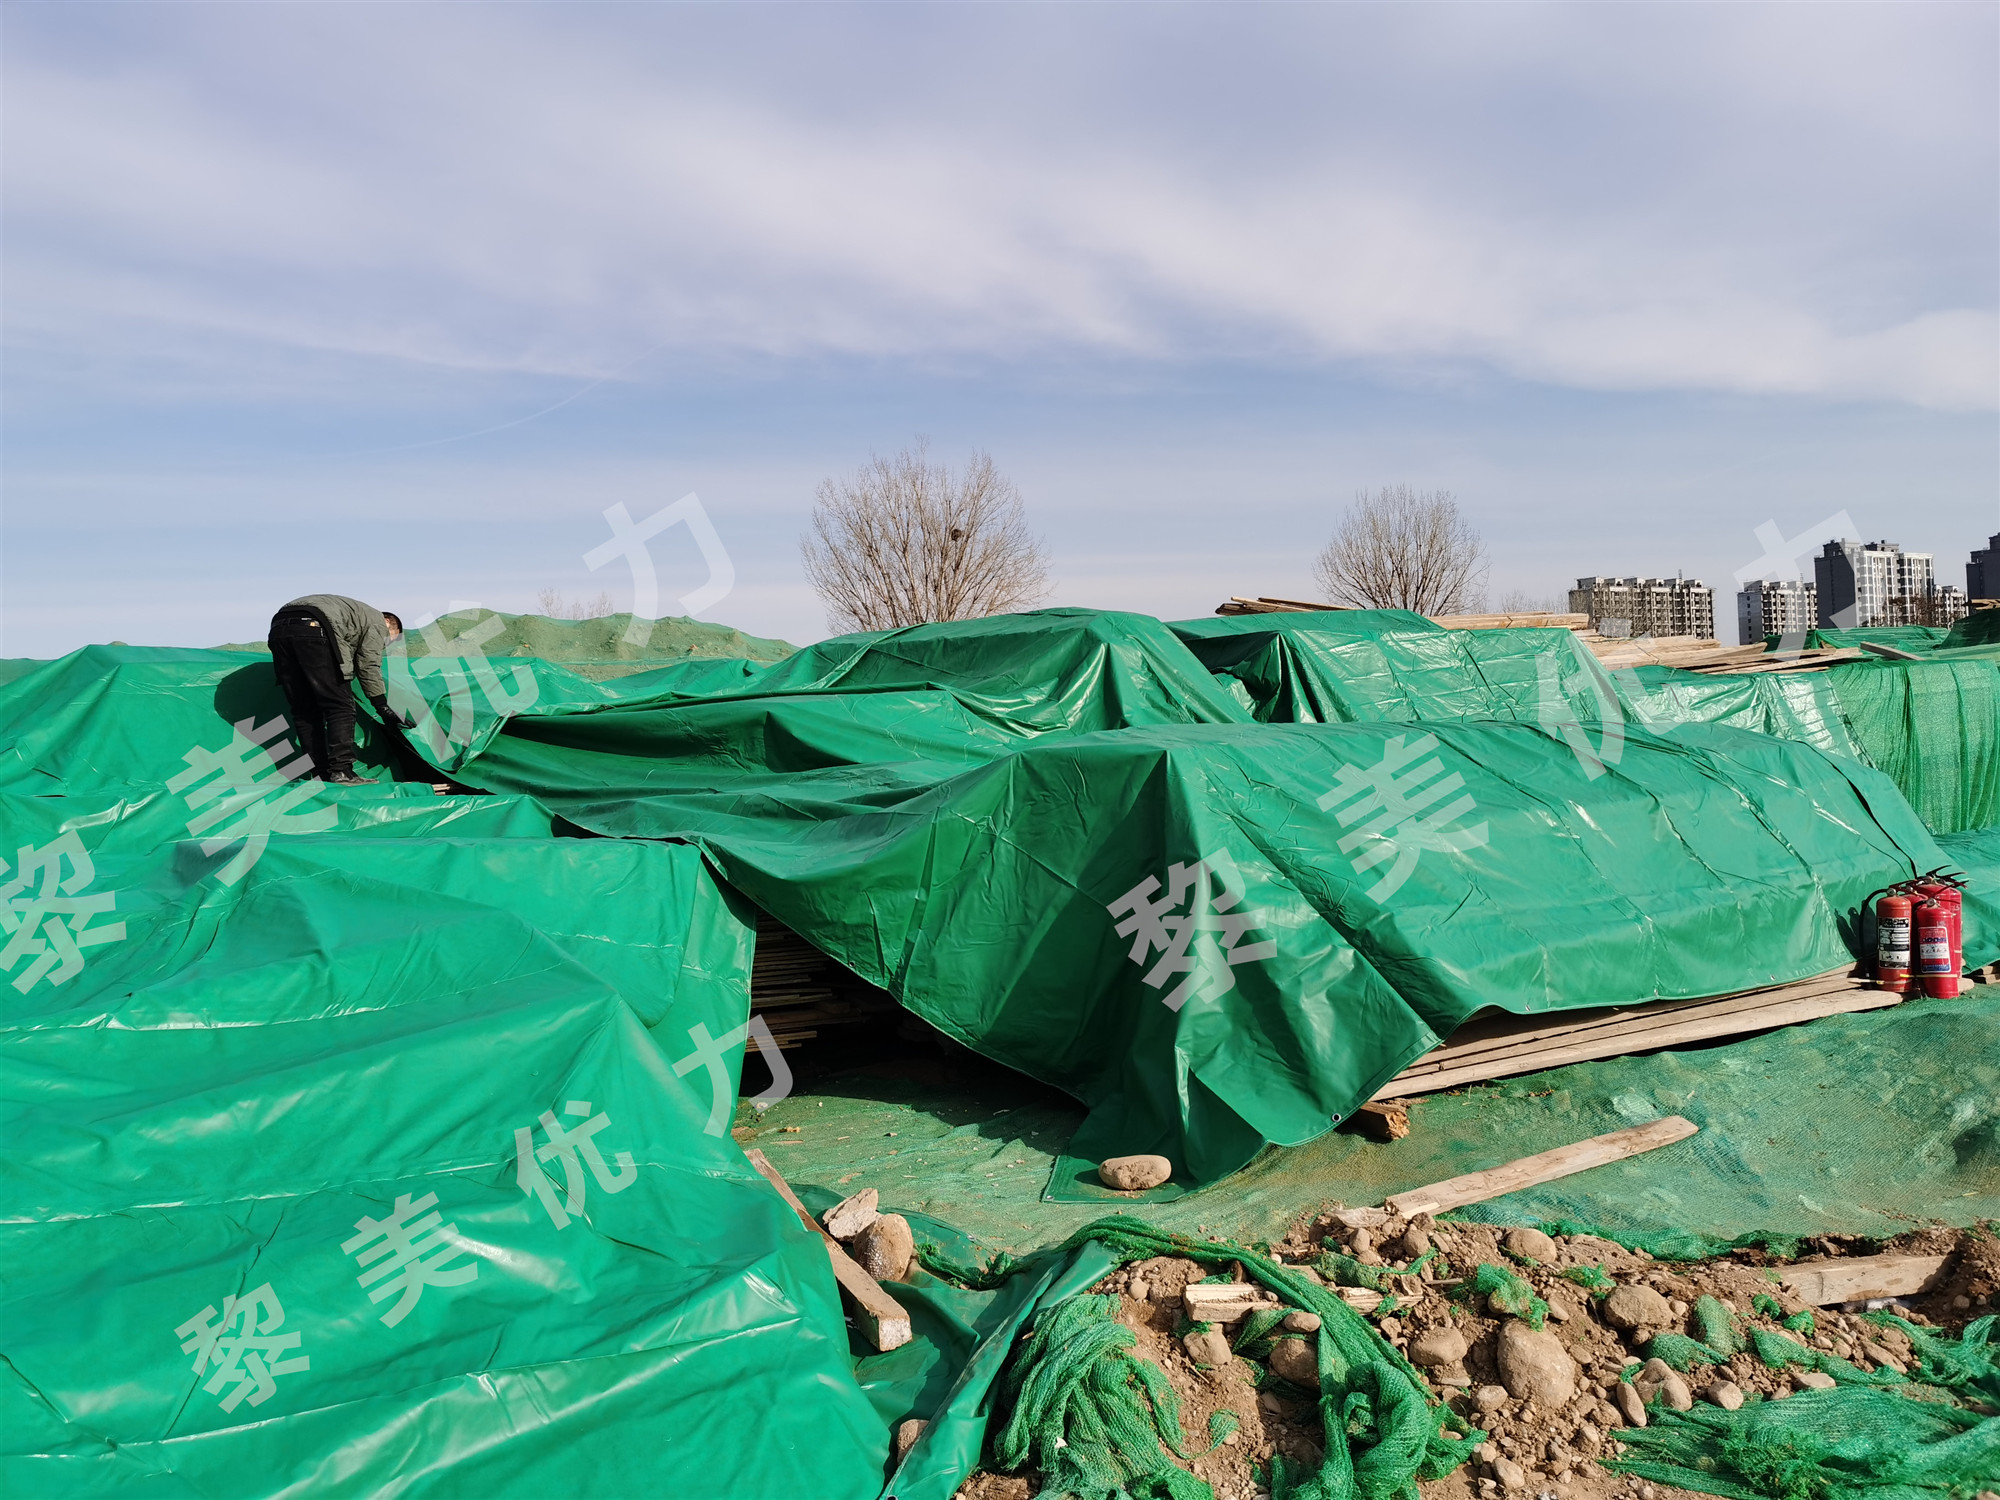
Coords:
346,777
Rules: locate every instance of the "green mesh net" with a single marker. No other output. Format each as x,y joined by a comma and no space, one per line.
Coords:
1880,1436
1084,1413
1507,1292
1095,1420
1593,1279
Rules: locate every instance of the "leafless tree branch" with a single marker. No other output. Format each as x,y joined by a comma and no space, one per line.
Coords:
902,542
1404,549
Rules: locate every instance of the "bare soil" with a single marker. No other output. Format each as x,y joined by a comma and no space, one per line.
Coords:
1532,1451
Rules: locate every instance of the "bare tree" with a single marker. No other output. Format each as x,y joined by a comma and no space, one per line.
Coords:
902,542
1521,602
558,608
1404,549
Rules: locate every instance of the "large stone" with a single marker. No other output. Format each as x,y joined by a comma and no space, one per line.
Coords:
1134,1173
885,1248
1633,1307
1812,1380
1726,1394
850,1216
1490,1398
1300,1322
1296,1360
1535,1366
1208,1348
1438,1348
907,1434
1529,1244
1510,1474
1674,1391
1630,1407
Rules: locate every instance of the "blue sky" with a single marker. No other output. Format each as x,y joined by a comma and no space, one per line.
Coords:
394,300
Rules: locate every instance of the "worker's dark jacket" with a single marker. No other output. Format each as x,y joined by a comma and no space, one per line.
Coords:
359,638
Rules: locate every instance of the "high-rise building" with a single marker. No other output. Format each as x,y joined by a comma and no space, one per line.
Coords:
1982,572
1948,604
1873,583
1646,606
1789,606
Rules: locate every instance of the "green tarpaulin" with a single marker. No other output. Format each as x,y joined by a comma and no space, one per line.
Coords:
372,1140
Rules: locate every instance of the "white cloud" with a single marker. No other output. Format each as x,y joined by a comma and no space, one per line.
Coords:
1601,202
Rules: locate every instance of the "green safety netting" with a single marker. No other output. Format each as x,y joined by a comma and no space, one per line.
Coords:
1899,637
1980,628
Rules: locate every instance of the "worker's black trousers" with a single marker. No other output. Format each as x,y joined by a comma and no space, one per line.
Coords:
307,664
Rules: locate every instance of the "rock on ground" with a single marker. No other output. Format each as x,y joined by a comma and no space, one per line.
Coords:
885,1248
850,1216
1297,1361
1134,1173
1535,1366
1530,1244
1636,1307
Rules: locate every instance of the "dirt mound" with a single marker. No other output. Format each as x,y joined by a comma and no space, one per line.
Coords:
1604,1304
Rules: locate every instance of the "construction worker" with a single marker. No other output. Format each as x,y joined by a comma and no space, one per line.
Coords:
320,644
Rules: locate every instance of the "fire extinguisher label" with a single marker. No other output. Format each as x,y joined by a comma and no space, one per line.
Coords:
1934,955
1894,944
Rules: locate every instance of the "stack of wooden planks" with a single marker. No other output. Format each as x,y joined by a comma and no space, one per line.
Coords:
1494,1045
1529,620
799,991
1693,653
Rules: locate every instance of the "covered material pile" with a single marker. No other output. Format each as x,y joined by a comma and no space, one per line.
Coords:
380,1136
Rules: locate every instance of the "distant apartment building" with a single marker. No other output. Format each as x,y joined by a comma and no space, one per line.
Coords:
1950,603
1786,607
1982,572
1875,583
1646,606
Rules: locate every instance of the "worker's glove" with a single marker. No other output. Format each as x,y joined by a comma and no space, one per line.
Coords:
389,715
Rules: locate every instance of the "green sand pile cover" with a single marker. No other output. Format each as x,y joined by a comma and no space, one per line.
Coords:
1933,725
609,646
364,1140
1047,836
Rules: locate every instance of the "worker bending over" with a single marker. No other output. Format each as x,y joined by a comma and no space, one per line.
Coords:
320,644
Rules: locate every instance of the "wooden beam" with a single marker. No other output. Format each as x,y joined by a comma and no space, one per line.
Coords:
1494,1053
1825,1282
1546,1166
887,1325
1382,1120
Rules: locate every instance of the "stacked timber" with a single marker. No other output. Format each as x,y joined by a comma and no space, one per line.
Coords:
1693,653
800,992
1499,1045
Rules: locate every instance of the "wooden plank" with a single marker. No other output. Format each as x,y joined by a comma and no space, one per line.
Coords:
1224,1302
1502,1031
882,1316
1545,1166
1616,1043
1825,1282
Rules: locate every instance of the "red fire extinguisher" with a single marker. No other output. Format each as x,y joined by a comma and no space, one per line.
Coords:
1945,890
1892,942
1935,970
